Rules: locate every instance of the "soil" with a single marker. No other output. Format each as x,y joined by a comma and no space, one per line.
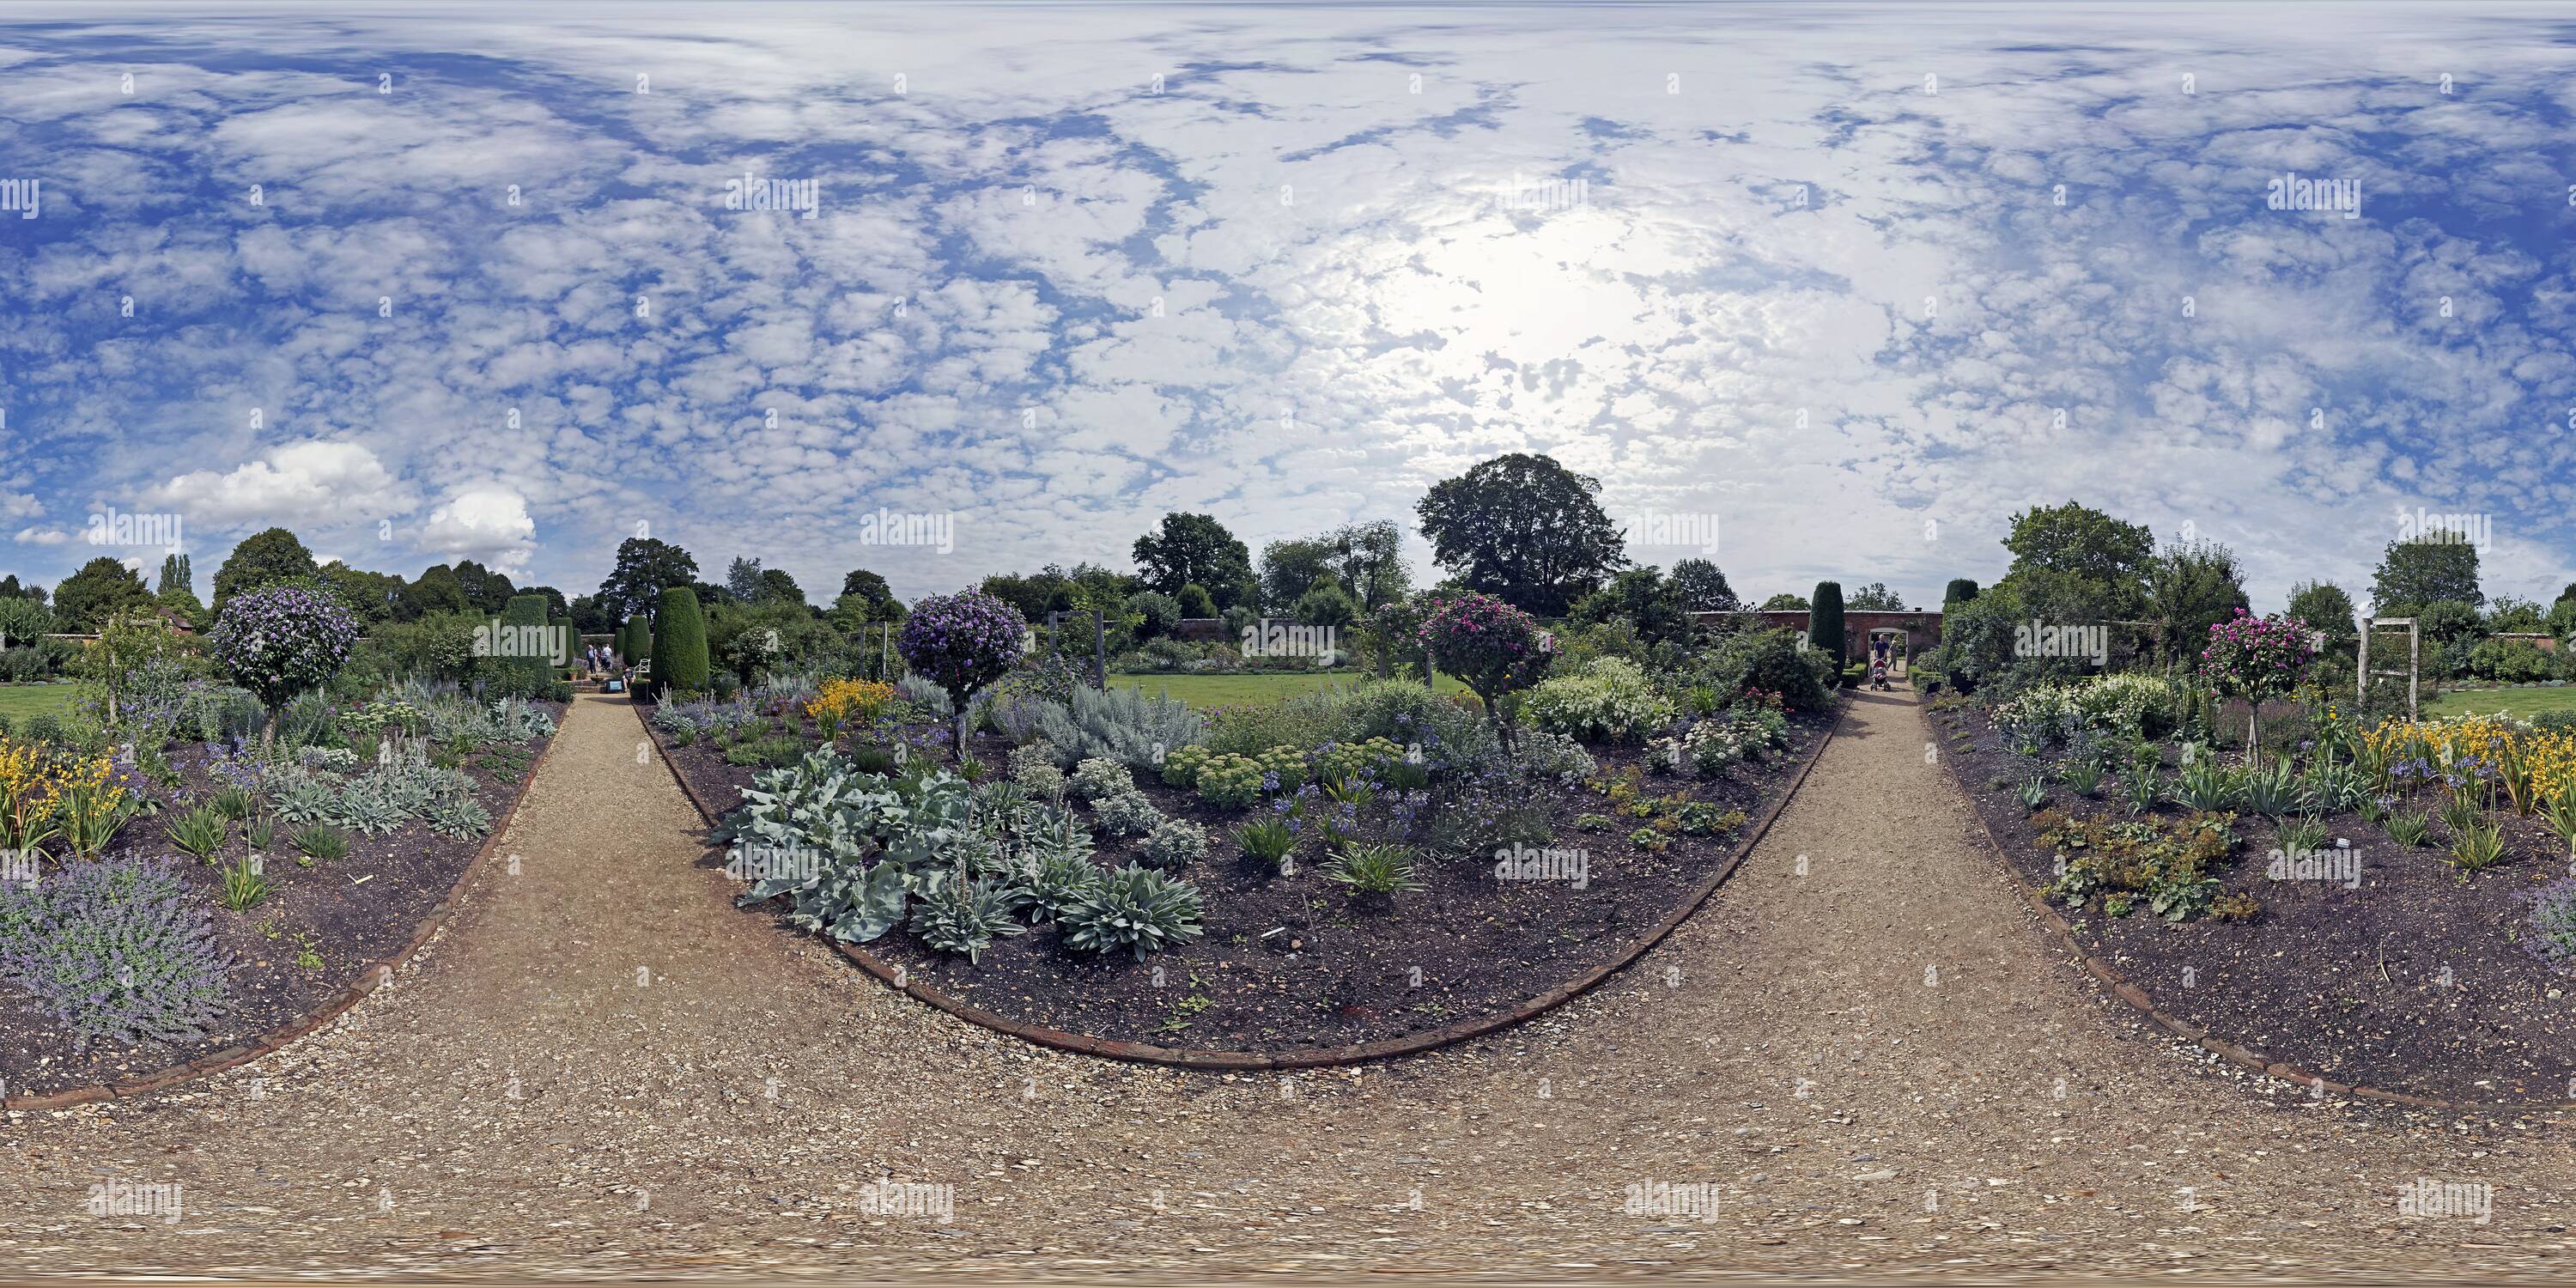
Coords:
2410,980
1293,961
350,912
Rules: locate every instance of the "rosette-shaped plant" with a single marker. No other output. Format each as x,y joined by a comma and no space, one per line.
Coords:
279,641
1494,648
962,643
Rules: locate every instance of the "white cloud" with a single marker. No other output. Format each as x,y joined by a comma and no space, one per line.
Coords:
301,485
487,523
42,536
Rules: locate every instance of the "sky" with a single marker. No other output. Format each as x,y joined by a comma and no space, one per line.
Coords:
1814,292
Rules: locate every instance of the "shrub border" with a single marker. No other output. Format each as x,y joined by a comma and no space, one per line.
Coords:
372,976
2243,1057
1306,1057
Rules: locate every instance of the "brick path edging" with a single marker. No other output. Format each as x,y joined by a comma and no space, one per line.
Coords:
2243,1057
899,979
372,976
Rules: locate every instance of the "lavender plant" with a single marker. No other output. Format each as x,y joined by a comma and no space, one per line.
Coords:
115,949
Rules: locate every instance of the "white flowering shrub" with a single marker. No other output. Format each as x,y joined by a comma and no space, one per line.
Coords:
1611,700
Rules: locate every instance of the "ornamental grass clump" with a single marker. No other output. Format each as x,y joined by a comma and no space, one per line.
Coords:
962,643
280,641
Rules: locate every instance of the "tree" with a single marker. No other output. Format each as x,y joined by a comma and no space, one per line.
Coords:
1784,602
742,578
23,620
1195,601
2412,574
1326,604
263,559
2257,659
1644,599
1368,559
2192,586
102,588
523,657
589,617
777,587
2448,621
1959,591
1492,647
645,565
1525,528
1194,548
281,640
1154,613
2513,615
373,596
2325,607
961,643
10,588
437,591
483,588
175,576
2080,558
679,642
1703,589
1875,598
1825,621
2561,622
882,605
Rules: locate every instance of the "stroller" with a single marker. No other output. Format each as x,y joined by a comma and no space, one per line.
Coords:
1878,671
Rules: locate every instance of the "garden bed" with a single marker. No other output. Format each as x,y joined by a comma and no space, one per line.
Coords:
1292,962
2411,980
305,943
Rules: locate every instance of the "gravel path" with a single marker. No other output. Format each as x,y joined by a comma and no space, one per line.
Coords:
1875,1065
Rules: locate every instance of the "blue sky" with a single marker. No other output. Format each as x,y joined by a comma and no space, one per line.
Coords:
1821,283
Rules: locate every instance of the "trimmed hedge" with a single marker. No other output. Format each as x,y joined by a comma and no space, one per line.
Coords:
528,676
679,642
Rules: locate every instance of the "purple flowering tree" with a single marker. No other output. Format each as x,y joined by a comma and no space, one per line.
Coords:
1494,648
2257,659
279,641
962,643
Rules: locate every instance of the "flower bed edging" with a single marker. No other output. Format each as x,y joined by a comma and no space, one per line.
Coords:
370,978
1309,1057
2243,1057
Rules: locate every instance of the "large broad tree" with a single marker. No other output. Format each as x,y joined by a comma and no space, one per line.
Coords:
1875,598
271,558
2413,574
1369,560
484,589
102,588
435,591
2079,556
872,591
1289,568
1195,549
1784,602
644,566
1642,596
776,587
2192,586
1526,529
2325,607
1702,587
22,620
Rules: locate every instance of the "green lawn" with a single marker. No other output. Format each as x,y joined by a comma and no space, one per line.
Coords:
18,701
1249,690
2521,702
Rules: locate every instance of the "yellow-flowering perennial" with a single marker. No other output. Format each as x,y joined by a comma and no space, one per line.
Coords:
840,702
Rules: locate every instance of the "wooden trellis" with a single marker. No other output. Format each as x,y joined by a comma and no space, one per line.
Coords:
2414,661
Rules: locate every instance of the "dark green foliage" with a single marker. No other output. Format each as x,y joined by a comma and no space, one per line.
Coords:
521,675
680,643
1195,601
262,559
1825,620
1523,528
2415,573
1193,549
1960,591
